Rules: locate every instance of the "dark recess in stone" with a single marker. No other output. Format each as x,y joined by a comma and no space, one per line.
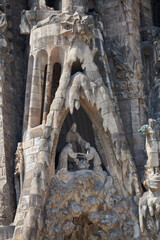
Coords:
56,4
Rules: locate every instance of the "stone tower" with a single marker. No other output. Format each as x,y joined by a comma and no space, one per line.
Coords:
92,81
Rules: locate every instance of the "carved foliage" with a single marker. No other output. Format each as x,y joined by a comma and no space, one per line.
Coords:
124,58
128,69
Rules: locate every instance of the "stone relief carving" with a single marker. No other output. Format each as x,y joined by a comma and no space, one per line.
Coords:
129,71
124,58
149,203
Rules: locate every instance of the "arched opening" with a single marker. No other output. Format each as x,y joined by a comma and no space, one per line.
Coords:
55,79
43,86
155,12
76,67
87,132
147,56
84,128
91,6
56,4
37,88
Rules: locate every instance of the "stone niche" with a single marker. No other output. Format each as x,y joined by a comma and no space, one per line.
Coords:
84,128
57,4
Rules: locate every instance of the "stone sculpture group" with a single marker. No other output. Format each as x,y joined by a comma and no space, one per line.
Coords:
79,159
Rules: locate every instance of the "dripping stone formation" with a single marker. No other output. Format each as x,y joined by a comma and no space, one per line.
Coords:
79,120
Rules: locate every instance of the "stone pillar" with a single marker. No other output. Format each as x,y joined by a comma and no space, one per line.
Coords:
27,94
6,177
35,97
47,100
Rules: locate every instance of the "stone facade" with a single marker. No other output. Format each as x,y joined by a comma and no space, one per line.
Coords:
79,80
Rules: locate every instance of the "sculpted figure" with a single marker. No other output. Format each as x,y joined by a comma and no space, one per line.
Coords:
92,154
151,143
77,141
19,169
64,157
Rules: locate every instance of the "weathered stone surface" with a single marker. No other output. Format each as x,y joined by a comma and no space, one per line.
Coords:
92,82
86,202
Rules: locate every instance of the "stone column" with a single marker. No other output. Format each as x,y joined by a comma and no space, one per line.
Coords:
27,94
35,97
47,100
6,179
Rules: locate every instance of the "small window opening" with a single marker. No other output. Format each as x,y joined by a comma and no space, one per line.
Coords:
56,4
91,5
155,12
55,79
84,128
43,93
76,67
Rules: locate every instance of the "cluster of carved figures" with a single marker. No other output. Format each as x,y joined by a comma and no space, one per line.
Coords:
78,160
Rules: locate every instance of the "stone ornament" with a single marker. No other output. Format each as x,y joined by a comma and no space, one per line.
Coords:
151,143
19,161
149,203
